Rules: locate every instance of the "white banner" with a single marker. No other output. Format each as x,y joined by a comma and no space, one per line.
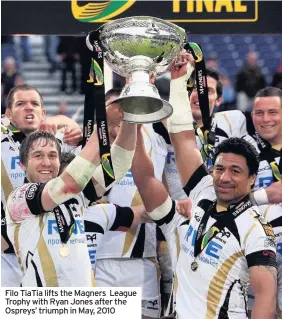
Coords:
123,303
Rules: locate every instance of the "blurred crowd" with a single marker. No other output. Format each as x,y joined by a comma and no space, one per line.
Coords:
67,54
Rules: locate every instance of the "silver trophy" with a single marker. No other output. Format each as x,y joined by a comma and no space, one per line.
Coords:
135,47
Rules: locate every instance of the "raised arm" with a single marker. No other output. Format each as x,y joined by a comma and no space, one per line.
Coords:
122,152
78,173
151,190
180,124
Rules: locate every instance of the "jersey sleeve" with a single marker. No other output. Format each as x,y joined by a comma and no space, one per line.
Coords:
200,186
108,217
230,124
169,221
259,244
25,201
101,218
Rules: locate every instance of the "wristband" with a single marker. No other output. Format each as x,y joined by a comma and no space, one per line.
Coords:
181,118
260,197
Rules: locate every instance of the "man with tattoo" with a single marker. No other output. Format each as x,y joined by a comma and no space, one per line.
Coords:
226,244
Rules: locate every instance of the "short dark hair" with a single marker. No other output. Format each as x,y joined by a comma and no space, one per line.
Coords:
241,147
66,158
270,91
217,76
113,92
21,87
32,138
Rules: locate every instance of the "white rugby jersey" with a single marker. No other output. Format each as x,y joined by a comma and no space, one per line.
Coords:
224,125
99,219
218,287
12,175
139,242
265,175
273,214
37,243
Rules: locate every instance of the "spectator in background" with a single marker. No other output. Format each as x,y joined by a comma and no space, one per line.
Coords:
26,48
10,77
277,77
228,96
51,43
228,93
63,108
249,81
68,51
213,64
8,49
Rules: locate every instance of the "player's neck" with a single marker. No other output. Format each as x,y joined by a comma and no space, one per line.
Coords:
221,208
276,143
223,205
277,147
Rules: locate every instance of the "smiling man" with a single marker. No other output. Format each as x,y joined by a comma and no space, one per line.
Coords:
267,120
25,114
51,206
224,264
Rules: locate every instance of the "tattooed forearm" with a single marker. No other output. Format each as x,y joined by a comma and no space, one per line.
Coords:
272,270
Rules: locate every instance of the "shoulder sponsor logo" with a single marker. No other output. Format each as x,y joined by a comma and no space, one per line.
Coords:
269,242
31,191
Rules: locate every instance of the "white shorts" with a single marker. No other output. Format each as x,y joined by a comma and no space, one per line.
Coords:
126,272
11,274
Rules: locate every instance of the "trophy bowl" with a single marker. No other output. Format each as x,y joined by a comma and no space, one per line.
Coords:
135,47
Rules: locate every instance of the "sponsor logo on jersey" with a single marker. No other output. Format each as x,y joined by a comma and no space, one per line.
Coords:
53,227
127,180
212,249
170,158
91,237
31,191
269,242
92,256
265,181
15,162
152,304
